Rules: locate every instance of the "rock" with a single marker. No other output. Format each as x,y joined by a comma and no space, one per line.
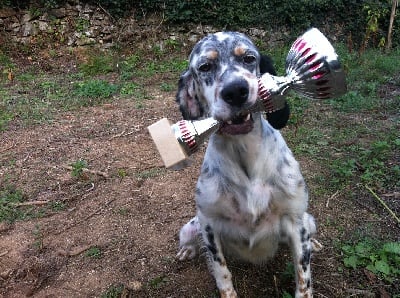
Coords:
43,26
27,17
27,29
58,12
7,12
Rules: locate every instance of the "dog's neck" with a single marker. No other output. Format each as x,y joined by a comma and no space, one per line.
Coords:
245,148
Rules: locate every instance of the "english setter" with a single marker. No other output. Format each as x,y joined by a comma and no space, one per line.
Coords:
250,195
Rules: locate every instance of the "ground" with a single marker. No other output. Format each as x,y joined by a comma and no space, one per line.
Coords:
112,230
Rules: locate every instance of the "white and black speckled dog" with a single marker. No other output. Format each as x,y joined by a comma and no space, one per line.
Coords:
250,195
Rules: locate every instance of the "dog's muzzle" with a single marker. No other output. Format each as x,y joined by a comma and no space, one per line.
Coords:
236,94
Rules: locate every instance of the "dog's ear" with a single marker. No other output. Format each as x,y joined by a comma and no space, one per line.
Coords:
266,65
277,119
187,99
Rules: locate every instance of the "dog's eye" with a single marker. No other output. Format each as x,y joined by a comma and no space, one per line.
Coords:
205,67
249,59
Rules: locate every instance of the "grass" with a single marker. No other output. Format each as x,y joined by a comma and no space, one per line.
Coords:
93,252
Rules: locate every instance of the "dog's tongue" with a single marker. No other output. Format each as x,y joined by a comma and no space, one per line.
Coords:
236,129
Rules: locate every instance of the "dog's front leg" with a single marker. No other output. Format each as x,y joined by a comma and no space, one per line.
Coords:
217,263
300,233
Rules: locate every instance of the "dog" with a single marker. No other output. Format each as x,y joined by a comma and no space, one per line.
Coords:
251,195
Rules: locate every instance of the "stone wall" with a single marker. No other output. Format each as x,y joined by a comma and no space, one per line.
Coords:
75,25
82,25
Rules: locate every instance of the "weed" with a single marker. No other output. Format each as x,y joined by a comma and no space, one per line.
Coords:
114,291
158,282
129,88
94,91
288,273
5,118
9,197
57,206
122,173
93,252
97,64
286,295
123,211
149,173
370,165
382,259
78,167
167,87
81,25
38,236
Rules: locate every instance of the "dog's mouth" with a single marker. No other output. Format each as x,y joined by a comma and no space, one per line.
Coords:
237,125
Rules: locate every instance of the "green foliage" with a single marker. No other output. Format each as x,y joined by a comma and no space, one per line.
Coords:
158,282
114,291
93,252
78,167
97,64
94,89
382,259
10,196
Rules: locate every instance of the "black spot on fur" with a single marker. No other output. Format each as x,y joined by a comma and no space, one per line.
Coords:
308,283
211,244
305,261
209,81
198,191
303,234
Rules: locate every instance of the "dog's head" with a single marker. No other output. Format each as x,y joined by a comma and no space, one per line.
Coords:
222,80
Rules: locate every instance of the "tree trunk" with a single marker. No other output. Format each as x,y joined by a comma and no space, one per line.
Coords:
393,13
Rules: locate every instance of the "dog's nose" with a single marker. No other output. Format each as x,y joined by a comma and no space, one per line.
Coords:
236,92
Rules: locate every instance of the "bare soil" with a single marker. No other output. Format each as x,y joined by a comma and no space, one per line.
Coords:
130,208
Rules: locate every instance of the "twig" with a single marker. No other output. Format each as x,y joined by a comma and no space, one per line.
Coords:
365,293
74,252
118,135
3,253
383,203
330,198
122,134
106,12
105,175
6,148
31,203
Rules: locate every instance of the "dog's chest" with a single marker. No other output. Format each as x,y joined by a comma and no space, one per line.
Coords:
249,207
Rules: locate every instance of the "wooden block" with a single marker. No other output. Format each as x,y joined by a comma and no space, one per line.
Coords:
167,145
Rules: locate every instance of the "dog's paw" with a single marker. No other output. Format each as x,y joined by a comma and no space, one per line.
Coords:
316,246
186,252
229,293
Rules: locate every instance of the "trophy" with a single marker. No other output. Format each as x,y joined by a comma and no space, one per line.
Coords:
312,70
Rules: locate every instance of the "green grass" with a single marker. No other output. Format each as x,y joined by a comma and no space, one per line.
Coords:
98,64
93,90
115,291
93,252
9,197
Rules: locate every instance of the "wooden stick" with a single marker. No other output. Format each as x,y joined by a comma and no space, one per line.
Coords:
383,204
31,203
105,175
